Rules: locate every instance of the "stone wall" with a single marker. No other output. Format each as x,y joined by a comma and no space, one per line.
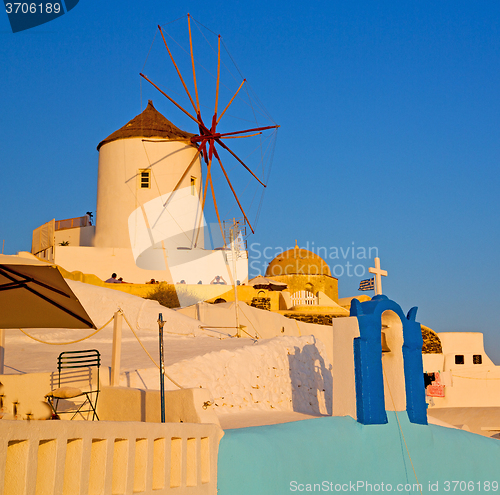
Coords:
432,343
261,303
318,319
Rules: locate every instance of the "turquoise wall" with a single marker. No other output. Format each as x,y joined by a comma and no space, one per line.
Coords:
338,450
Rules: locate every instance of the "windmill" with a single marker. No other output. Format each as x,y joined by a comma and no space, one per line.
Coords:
214,144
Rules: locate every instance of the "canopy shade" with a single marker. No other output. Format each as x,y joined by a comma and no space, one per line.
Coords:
33,294
261,282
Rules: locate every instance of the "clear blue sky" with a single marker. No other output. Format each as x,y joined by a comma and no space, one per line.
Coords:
389,137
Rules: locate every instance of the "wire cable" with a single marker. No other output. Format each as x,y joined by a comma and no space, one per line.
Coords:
146,351
66,343
401,429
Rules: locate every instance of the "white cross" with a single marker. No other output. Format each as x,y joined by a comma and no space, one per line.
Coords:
378,274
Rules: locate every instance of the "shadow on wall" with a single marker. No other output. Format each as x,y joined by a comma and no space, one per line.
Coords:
312,383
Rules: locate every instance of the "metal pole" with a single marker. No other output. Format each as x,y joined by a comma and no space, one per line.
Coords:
116,353
2,350
162,368
233,237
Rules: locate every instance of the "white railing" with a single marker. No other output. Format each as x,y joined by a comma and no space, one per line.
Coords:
303,297
71,223
120,458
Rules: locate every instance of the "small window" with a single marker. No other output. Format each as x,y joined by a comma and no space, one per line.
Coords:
459,359
477,359
193,186
145,179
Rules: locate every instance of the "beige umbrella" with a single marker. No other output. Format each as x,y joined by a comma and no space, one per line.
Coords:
261,282
33,294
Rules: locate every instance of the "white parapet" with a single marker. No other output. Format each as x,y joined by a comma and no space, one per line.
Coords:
80,457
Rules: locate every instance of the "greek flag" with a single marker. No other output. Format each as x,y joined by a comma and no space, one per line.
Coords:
367,284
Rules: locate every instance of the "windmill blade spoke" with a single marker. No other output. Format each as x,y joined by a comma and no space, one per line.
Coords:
247,136
237,158
217,86
209,166
234,193
178,71
225,134
208,159
177,185
197,154
231,100
203,202
217,211
171,99
194,71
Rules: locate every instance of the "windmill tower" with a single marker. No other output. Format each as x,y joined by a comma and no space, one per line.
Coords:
146,158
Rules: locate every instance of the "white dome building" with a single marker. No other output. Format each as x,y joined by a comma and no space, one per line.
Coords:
149,218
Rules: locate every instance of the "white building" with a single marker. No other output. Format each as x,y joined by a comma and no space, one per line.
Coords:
466,376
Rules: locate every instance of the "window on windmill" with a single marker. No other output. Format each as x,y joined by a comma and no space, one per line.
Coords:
459,359
193,186
477,359
145,179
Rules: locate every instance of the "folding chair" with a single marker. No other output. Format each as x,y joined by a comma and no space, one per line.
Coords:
69,366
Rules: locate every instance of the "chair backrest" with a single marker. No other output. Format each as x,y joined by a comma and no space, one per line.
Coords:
78,360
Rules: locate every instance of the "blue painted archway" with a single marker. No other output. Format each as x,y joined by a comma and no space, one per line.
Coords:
370,402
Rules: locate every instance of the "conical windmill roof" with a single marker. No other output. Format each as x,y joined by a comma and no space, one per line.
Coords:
149,124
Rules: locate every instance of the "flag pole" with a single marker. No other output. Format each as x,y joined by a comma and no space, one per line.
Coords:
161,323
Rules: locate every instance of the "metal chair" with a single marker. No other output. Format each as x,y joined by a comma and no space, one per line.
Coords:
69,366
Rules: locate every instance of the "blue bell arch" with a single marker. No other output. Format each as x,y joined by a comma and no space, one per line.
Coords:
370,399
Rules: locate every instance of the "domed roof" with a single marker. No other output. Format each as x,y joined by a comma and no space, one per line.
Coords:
150,123
297,261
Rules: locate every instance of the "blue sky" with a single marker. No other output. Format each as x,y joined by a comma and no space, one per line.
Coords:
389,115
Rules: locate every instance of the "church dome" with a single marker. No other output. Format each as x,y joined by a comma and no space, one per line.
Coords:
297,261
148,124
